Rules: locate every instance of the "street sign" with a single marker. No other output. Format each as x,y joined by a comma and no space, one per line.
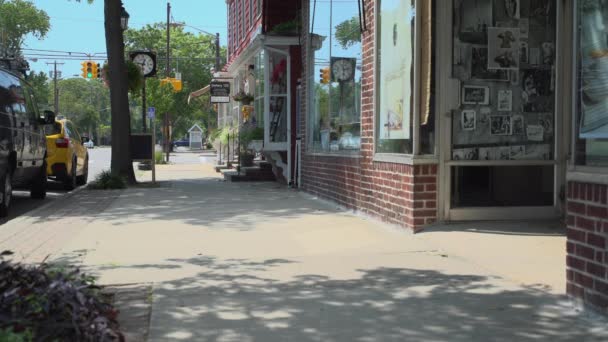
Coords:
151,112
220,92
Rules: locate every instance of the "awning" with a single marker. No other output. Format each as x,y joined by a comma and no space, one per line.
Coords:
198,93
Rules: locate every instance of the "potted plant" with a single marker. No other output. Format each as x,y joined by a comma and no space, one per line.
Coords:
243,97
248,134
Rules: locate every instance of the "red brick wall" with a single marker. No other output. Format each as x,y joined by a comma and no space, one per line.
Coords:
587,232
396,193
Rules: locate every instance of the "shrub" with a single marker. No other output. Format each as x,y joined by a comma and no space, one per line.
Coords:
106,180
159,158
42,303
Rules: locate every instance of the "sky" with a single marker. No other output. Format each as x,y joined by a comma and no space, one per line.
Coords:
79,27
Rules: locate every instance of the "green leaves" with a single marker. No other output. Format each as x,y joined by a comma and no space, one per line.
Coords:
20,18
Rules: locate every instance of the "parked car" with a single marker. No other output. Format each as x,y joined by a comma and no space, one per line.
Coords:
67,157
88,143
22,143
183,142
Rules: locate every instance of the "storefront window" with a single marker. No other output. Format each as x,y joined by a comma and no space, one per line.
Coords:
395,76
259,88
278,97
335,77
592,105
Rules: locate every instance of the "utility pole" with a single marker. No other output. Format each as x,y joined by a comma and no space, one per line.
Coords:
55,88
217,52
167,74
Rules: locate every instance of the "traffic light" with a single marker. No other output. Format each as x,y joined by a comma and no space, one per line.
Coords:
324,73
99,70
94,70
84,69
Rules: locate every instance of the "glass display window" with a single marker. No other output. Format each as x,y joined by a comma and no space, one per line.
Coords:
591,120
335,77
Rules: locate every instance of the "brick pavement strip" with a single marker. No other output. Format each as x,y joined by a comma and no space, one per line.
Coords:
43,231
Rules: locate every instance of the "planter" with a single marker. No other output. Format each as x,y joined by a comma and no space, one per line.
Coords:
256,145
246,159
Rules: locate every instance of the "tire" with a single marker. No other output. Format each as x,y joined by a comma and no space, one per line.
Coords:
70,181
39,186
7,193
82,180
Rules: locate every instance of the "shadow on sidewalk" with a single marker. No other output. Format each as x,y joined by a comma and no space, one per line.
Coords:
236,300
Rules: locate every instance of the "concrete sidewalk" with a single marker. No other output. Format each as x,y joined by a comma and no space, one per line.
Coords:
259,262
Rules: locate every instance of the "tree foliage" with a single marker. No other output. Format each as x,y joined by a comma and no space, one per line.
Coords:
193,55
348,32
40,83
18,18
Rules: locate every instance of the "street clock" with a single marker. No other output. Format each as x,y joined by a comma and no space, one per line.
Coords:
146,61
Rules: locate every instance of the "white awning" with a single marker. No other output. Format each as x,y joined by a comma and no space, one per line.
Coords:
198,93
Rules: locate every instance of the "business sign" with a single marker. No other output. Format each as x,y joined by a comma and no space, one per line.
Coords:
220,92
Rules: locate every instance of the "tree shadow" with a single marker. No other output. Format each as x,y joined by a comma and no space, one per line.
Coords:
246,303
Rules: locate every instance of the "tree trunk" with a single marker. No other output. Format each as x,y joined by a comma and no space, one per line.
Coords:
121,122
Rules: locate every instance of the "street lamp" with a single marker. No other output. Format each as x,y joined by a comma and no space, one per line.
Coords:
124,18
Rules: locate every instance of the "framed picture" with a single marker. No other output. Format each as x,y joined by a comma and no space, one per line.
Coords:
475,95
479,66
505,100
468,120
518,125
500,125
503,48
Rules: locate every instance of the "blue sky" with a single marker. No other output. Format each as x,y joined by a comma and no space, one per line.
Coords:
79,27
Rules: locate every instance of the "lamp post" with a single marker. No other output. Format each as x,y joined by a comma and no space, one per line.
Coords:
124,18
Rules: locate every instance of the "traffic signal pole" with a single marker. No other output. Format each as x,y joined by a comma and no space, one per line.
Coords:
167,74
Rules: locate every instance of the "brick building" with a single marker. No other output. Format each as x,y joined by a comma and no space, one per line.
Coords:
413,111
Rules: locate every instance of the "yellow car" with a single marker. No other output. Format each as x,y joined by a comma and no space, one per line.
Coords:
67,159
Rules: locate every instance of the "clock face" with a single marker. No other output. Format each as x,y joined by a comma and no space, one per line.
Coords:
342,70
145,62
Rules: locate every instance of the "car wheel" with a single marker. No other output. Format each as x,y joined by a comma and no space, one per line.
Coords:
82,180
7,194
70,181
38,188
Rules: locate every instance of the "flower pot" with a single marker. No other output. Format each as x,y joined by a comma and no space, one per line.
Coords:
246,159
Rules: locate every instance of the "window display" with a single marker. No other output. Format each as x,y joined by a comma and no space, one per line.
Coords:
335,77
395,86
592,119
504,56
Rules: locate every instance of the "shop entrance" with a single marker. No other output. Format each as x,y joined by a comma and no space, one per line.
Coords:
499,68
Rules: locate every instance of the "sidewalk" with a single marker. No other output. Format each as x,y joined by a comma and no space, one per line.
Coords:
259,262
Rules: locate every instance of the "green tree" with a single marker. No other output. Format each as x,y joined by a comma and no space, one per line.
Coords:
192,55
348,32
18,18
40,83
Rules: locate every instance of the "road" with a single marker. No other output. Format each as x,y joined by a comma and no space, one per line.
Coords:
99,160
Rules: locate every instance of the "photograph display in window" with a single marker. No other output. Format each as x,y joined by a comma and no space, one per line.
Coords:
504,56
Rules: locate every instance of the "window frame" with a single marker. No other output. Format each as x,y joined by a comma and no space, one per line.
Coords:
415,157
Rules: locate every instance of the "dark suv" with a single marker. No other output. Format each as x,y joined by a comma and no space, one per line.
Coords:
22,140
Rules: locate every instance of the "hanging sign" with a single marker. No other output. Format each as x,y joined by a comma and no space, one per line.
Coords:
220,92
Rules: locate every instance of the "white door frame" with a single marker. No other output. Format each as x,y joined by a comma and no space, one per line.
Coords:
449,90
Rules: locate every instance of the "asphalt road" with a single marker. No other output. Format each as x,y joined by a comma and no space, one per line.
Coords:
99,160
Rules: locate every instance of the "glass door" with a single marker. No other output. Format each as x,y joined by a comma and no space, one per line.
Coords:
499,151
277,118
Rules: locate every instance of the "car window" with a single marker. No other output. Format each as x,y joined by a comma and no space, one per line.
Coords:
66,130
52,129
73,131
30,103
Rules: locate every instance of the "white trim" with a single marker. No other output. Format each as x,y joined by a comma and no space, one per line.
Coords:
588,177
407,159
354,155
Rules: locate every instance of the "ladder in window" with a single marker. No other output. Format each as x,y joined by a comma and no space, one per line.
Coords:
275,122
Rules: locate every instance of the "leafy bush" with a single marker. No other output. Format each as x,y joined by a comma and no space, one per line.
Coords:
41,303
159,158
106,180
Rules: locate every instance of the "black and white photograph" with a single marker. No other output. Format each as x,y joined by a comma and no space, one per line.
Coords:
524,27
465,154
535,132
546,120
518,125
468,120
479,66
471,21
503,153
517,152
536,91
503,48
487,153
547,53
538,152
523,51
500,125
534,56
505,100
506,10
475,95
